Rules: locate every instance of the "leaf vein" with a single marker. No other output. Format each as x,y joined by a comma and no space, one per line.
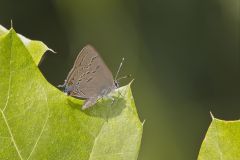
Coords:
11,135
44,125
95,140
6,104
10,77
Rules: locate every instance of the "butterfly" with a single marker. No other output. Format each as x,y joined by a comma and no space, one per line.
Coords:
89,78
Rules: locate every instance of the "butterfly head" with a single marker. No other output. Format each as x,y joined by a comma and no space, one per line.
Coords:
68,89
116,83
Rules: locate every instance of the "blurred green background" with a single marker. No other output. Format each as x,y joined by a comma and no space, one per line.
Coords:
184,56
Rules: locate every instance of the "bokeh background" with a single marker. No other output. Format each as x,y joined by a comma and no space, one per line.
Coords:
184,56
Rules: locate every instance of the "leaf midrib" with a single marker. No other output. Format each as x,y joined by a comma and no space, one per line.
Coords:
6,104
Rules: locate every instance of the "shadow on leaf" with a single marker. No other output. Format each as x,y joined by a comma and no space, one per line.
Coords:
105,108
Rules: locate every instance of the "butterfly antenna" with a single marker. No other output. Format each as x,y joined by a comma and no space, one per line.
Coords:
119,68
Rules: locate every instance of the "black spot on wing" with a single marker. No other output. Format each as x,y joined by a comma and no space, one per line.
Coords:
94,71
88,80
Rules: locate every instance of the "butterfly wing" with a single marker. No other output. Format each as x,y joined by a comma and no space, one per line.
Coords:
89,77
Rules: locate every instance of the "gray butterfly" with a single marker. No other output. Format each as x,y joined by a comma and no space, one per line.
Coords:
89,78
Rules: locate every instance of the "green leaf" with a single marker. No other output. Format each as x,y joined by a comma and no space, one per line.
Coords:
35,48
39,122
222,141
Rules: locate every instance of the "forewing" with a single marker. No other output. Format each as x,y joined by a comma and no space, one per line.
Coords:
90,77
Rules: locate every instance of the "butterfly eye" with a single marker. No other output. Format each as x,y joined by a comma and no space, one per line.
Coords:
116,83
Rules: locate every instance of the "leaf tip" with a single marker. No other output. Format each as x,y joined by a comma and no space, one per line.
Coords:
131,82
212,115
143,122
11,23
51,50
